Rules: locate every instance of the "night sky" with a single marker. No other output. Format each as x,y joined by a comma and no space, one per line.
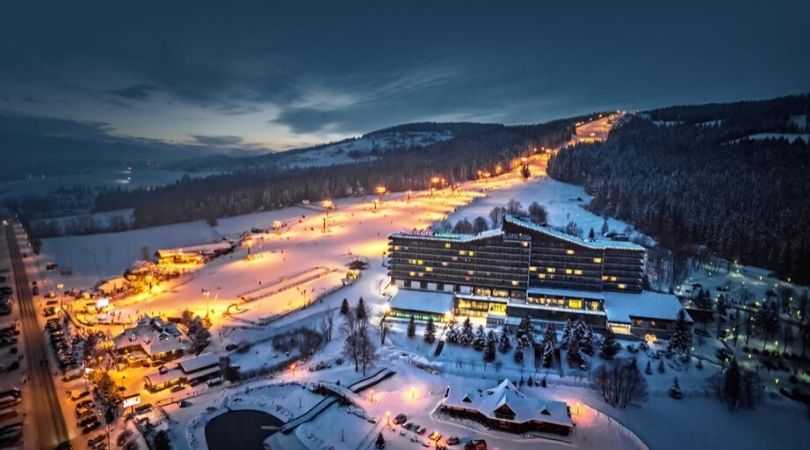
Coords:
275,77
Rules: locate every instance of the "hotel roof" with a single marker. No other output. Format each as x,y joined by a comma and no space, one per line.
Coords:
449,237
598,244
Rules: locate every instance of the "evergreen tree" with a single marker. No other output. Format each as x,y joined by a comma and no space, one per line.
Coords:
661,367
731,384
361,312
681,339
518,356
504,344
591,235
480,224
344,307
609,346
467,335
452,334
548,354
523,335
411,327
480,340
430,331
380,442
538,214
489,352
566,335
605,227
648,369
550,335
573,356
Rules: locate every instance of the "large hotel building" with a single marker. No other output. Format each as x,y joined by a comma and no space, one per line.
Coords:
523,269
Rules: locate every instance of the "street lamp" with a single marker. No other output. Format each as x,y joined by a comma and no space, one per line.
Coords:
327,206
380,191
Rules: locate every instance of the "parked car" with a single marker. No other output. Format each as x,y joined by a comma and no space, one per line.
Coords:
123,437
453,440
96,439
92,426
79,395
400,419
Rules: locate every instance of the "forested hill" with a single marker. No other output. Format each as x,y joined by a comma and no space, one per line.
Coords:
708,175
471,148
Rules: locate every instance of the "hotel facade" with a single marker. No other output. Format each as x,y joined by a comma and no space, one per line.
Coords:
523,269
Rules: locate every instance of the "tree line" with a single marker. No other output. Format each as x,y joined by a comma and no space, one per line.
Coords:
703,187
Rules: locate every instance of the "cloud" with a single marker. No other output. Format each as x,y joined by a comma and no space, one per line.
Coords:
218,141
135,92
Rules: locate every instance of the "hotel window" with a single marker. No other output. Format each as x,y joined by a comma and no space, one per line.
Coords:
612,278
500,293
597,260
532,268
575,304
455,258
420,274
541,276
413,274
446,245
577,272
396,247
470,272
419,262
622,285
472,253
569,252
568,271
444,263
462,252
605,277
428,269
411,261
514,283
550,269
525,244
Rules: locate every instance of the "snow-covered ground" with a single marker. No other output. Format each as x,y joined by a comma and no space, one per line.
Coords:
356,229
360,149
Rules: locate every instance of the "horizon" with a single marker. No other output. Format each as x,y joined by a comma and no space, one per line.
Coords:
270,78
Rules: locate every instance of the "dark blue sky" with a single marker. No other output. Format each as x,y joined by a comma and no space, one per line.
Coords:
274,77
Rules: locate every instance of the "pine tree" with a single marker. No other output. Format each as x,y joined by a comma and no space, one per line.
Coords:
518,356
566,336
344,307
480,339
591,235
605,228
411,327
361,312
489,352
609,346
504,344
681,339
731,384
452,335
648,369
573,356
430,331
550,335
523,335
380,442
584,338
548,354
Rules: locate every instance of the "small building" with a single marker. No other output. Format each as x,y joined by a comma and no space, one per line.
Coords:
193,370
196,254
158,339
422,305
505,408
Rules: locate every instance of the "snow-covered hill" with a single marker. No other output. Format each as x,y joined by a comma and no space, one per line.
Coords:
363,148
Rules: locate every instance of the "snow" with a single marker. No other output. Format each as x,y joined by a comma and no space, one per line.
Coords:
800,120
599,244
361,148
199,362
790,137
414,300
621,307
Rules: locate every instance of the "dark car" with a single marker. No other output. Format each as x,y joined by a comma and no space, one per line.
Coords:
123,437
400,419
92,426
96,439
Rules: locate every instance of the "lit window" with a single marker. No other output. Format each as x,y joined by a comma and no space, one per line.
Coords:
472,253
396,247
612,278
525,244
514,283
428,269
420,274
568,271
420,262
542,275
597,260
550,269
413,274
622,286
446,245
575,304
470,272
462,252
605,277
569,252
532,269
444,263
577,272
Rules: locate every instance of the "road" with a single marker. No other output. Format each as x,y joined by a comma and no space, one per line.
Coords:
47,414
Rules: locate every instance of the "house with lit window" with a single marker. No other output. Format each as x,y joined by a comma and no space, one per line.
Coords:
500,276
504,407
